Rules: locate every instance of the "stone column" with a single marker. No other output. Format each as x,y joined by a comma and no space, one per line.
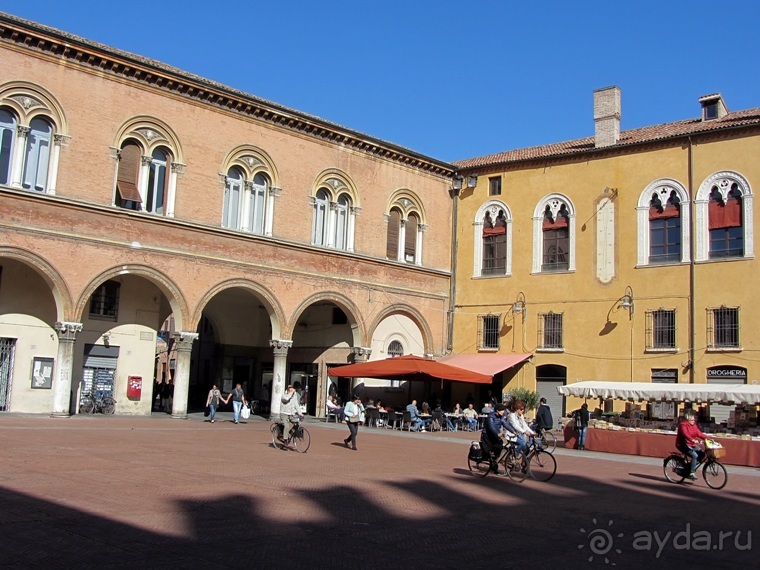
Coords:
19,151
361,354
280,348
184,345
67,334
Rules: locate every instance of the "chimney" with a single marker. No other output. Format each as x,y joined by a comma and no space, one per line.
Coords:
607,116
713,107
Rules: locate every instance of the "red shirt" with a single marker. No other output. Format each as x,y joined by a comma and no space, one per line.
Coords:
688,433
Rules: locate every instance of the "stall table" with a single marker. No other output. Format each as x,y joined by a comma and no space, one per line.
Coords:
738,451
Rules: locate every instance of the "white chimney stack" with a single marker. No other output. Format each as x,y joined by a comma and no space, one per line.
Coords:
607,116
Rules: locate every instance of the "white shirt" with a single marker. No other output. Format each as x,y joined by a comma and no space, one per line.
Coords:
518,422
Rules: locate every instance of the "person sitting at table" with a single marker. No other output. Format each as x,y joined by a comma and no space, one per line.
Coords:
370,405
471,416
332,407
425,409
520,427
445,420
417,423
487,408
380,407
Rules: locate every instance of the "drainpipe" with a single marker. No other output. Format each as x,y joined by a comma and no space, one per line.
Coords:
692,265
453,282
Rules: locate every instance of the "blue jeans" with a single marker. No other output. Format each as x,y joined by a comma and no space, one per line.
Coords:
415,424
236,407
521,445
582,436
696,454
473,423
212,410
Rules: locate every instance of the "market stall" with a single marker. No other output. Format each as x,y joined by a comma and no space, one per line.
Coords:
647,426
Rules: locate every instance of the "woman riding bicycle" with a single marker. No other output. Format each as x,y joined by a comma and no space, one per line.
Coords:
687,440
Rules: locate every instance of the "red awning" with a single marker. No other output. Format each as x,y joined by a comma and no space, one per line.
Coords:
485,363
409,368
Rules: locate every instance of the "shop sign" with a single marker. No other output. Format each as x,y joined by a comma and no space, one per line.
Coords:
728,372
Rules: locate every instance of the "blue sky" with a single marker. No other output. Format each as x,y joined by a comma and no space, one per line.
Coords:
449,79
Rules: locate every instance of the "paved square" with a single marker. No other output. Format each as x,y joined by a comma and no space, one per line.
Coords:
116,492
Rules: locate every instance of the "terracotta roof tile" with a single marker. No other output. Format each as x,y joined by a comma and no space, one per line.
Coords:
631,137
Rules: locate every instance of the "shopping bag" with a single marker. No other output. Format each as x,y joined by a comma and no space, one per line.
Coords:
245,413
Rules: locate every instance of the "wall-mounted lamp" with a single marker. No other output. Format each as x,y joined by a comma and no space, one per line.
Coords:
520,307
107,339
626,301
458,181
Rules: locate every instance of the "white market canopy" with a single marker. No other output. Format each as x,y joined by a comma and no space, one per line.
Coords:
648,391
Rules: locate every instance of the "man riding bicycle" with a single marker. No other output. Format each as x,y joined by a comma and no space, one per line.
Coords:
490,437
290,412
687,440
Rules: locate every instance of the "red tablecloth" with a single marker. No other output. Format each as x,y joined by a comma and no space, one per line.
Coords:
738,451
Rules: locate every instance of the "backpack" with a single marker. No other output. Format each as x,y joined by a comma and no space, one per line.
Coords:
476,453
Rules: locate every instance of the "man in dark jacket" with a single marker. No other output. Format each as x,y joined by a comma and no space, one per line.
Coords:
544,418
490,437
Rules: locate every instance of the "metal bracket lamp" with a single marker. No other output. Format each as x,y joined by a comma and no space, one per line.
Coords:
520,307
626,301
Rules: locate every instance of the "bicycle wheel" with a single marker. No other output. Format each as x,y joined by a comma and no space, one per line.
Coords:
276,441
548,441
86,407
715,475
108,406
515,467
301,440
479,468
674,468
542,465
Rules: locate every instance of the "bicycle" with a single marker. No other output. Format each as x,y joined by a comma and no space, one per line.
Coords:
481,465
541,463
547,438
298,436
91,404
677,467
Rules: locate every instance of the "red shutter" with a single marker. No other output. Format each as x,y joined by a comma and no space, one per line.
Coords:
499,231
670,211
560,222
394,221
728,216
129,167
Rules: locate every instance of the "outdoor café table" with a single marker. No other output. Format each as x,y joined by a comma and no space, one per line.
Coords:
649,444
456,419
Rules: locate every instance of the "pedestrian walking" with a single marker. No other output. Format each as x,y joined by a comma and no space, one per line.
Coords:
354,411
238,401
212,401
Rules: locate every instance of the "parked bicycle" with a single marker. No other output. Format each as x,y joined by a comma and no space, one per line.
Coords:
298,437
677,466
92,404
547,438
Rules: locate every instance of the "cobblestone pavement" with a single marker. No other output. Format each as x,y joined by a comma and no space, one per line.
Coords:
119,492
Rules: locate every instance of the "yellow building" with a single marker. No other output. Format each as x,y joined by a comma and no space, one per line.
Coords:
626,256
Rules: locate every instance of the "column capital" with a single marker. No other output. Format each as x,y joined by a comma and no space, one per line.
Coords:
361,353
184,340
67,330
280,345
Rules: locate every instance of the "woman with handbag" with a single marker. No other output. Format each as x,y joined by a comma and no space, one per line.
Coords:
353,412
212,401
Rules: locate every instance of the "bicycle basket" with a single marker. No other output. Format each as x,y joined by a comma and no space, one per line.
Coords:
716,452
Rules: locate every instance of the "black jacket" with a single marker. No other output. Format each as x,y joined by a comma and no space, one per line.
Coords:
544,417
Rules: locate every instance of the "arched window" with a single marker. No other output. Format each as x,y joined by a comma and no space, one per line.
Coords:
492,239
341,222
664,229
37,159
7,138
724,217
410,238
233,195
392,234
258,203
321,210
127,194
395,348
157,182
663,222
554,235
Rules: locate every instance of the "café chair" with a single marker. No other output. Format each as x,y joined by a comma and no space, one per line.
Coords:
392,421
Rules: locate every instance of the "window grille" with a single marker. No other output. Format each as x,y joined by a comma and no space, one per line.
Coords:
661,329
7,349
550,331
723,327
488,331
395,348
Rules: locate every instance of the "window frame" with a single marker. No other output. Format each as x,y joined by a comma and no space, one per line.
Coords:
551,337
662,188
489,337
492,209
661,324
553,203
725,336
494,186
723,181
105,301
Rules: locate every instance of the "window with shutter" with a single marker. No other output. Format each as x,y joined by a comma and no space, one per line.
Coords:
126,178
394,223
410,239
7,137
38,142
